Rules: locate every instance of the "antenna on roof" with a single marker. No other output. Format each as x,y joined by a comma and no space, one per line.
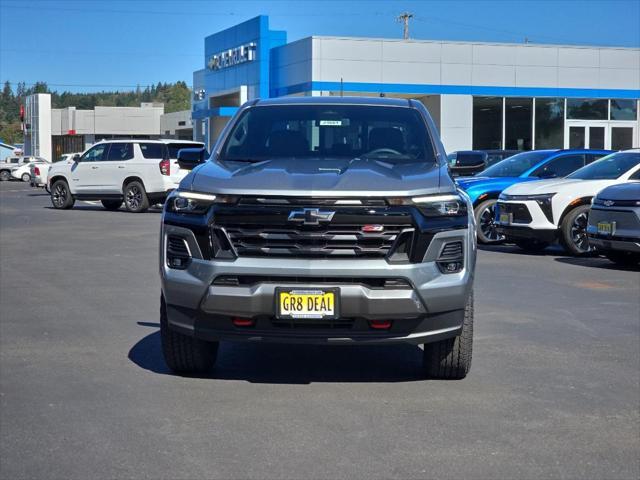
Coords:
404,18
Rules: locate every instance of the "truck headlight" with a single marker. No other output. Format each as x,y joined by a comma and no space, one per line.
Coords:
450,205
194,202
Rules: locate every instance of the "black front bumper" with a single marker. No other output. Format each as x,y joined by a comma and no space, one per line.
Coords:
423,329
527,233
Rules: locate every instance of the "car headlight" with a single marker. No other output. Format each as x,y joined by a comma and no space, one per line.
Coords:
194,202
448,205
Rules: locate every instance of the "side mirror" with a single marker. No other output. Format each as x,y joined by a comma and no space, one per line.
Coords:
189,158
76,157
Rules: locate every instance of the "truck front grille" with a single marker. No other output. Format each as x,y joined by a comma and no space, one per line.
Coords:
267,229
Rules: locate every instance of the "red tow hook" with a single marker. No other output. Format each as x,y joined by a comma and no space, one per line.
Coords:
380,324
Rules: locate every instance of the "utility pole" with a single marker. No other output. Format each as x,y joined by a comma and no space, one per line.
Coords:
404,18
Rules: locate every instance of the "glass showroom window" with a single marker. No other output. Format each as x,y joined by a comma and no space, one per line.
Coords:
585,109
487,122
518,120
549,123
624,110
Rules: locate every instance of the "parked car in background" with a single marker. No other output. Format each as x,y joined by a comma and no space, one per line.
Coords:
485,187
9,164
535,214
136,172
467,162
614,222
495,156
174,146
23,171
39,173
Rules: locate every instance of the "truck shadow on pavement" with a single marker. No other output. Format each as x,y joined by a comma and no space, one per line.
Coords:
295,364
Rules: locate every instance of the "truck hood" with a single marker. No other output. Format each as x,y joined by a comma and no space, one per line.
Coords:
314,177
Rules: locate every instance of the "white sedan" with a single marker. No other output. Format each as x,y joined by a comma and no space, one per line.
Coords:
23,171
535,214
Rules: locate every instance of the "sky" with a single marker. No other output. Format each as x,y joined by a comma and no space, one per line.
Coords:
92,45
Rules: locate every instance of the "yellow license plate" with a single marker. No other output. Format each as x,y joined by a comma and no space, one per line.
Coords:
505,218
306,303
604,228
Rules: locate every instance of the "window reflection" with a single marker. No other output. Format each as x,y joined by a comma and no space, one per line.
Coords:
549,123
518,123
585,109
487,122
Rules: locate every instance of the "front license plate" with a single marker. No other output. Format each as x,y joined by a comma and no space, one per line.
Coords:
605,228
294,303
505,218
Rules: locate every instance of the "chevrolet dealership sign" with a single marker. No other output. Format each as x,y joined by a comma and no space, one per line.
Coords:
233,56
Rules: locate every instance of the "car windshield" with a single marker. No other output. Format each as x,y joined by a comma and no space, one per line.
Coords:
514,166
391,134
609,167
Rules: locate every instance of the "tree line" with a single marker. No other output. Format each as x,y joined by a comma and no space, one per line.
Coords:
175,96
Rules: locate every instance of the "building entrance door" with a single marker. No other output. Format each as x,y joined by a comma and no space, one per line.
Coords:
599,135
580,134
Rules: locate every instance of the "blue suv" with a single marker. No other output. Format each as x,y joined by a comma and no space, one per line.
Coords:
486,186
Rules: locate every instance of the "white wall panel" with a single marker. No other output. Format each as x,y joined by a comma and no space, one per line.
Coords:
619,58
349,49
457,53
536,76
494,55
350,71
628,78
411,72
456,111
455,74
501,75
578,57
399,51
578,77
530,55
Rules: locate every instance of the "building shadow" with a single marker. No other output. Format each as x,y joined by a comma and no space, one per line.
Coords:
295,364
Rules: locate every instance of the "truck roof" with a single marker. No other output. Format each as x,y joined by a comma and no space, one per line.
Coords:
381,101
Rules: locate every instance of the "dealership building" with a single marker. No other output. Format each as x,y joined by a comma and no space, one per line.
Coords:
50,132
481,95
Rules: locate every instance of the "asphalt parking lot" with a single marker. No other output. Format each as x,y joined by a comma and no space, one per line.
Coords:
554,390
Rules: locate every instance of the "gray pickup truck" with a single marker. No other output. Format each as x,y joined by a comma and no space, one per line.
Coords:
323,220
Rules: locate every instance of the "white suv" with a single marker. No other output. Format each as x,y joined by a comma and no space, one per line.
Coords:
535,214
137,172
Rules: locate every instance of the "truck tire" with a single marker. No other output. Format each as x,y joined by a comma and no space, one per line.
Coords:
5,176
485,221
450,359
530,245
182,353
111,204
25,177
135,197
573,231
61,197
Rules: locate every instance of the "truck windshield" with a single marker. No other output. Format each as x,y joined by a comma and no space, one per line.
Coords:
514,166
391,134
609,167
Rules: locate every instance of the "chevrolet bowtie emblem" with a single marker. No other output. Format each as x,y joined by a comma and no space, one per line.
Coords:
310,216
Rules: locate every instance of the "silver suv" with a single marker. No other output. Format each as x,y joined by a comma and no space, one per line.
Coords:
320,220
614,222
